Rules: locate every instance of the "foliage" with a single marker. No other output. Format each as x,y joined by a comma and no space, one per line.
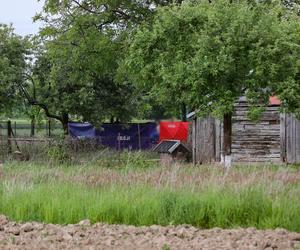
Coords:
13,55
57,153
77,72
208,54
89,63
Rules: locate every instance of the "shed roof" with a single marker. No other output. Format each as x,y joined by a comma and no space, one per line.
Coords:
169,146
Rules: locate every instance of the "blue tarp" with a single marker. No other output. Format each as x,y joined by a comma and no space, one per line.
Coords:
118,136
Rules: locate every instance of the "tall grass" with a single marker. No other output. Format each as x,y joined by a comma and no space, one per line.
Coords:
130,189
144,205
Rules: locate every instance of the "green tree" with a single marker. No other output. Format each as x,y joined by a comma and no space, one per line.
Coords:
64,88
208,54
85,44
13,56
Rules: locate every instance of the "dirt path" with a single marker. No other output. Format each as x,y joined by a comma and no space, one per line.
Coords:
101,236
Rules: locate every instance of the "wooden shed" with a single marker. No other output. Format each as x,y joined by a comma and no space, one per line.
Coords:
274,139
172,151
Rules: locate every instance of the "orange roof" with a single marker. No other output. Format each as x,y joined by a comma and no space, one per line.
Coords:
274,100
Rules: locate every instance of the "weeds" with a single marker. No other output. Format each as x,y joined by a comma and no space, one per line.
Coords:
143,205
203,196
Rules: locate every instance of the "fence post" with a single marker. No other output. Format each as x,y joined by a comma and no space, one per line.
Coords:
119,146
32,126
15,125
49,128
9,136
119,142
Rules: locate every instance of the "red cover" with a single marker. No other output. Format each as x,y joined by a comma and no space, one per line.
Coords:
174,131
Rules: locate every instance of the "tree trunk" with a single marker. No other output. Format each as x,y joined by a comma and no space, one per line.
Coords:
65,121
227,128
183,112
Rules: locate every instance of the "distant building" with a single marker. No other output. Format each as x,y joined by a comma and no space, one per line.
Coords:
274,139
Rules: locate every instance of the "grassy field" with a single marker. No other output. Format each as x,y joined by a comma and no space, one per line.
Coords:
135,190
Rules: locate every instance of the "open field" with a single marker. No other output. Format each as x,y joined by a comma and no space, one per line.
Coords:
133,189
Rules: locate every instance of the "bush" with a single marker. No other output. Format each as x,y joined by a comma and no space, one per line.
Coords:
58,153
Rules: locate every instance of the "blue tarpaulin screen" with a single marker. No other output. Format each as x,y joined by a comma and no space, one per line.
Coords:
118,136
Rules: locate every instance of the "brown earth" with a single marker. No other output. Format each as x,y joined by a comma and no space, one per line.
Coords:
83,235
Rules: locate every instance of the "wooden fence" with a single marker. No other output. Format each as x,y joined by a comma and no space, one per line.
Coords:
290,138
47,128
206,140
15,136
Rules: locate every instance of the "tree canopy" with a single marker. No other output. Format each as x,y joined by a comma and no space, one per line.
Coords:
77,72
109,60
207,54
13,53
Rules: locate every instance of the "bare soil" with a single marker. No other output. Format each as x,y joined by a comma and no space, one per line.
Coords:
83,235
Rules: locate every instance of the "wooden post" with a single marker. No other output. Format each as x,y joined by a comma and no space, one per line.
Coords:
227,132
283,137
49,128
2,149
119,146
9,136
32,127
217,127
46,128
119,142
227,128
15,126
194,140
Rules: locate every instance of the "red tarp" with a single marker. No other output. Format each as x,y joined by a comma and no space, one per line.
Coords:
174,131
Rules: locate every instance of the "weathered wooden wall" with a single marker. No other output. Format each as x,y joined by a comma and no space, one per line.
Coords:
255,142
273,139
206,139
290,133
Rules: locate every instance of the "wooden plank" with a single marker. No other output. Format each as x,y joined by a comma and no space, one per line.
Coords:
205,141
194,140
292,138
297,140
217,140
288,141
227,127
283,137
262,127
28,140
